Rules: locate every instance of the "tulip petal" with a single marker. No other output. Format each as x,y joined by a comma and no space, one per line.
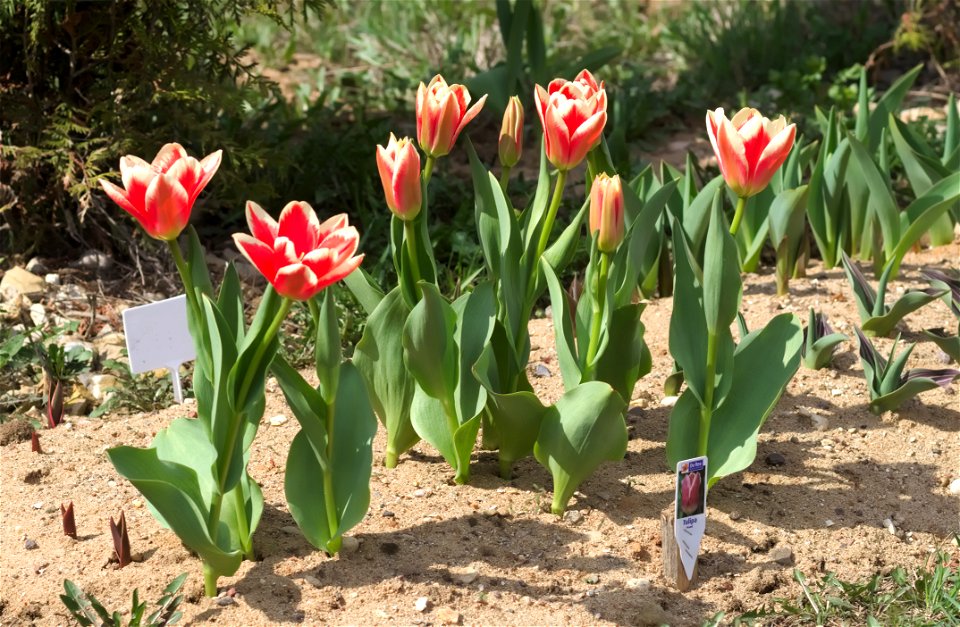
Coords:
262,226
296,281
773,156
754,139
421,99
732,157
119,196
298,222
713,118
588,134
342,270
258,253
444,126
209,166
469,115
131,163
385,164
168,155
742,116
332,225
167,208
405,185
557,139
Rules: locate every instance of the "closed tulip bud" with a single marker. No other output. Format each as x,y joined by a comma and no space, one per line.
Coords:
606,212
399,166
749,148
573,114
511,134
441,114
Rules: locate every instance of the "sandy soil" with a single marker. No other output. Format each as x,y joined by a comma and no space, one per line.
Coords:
486,553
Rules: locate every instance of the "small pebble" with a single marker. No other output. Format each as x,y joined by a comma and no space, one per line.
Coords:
349,544
225,601
888,523
422,604
782,555
836,392
541,371
572,516
735,515
448,616
466,577
828,523
592,579
387,514
954,486
776,459
276,421
30,544
668,401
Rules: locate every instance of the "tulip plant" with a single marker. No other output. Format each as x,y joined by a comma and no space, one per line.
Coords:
889,386
949,344
819,341
194,476
731,387
442,113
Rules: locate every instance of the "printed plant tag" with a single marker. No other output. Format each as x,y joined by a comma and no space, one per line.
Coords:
158,337
690,520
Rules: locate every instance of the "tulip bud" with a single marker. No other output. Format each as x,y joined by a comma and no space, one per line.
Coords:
573,114
442,114
399,166
511,134
749,148
606,212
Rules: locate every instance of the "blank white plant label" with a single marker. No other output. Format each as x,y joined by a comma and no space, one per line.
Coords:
158,337
690,521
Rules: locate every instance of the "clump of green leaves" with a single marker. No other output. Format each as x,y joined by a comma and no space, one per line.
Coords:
889,385
927,595
87,610
949,344
876,316
819,341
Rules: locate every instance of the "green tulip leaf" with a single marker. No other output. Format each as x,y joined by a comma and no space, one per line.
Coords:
882,326
582,430
327,353
364,289
563,329
476,317
688,328
379,358
949,344
341,464
721,275
763,365
626,357
173,490
230,303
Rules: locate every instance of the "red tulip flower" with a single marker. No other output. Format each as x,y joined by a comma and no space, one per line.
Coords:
160,195
441,114
399,166
573,114
298,255
690,493
606,212
750,148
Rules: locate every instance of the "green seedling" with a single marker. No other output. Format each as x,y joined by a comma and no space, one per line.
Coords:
876,318
888,384
819,342
89,612
787,226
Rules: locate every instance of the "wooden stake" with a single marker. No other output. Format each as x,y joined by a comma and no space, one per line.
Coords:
673,570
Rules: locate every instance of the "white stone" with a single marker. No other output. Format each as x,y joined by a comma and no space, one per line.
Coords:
669,401
422,604
955,486
276,421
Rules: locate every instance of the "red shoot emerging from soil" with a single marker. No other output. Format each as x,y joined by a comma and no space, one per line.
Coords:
55,404
35,442
121,541
69,524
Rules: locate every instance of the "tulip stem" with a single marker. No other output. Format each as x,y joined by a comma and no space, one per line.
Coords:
504,178
184,269
738,215
409,232
329,498
706,408
599,303
548,224
427,173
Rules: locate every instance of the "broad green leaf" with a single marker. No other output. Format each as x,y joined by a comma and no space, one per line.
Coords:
327,353
379,357
626,357
347,457
696,217
230,302
763,365
928,208
688,328
889,104
883,325
476,317
683,429
174,491
197,262
305,402
428,345
721,275
582,430
565,338
364,289
881,202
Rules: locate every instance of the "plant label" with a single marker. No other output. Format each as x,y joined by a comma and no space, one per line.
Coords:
158,337
690,520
